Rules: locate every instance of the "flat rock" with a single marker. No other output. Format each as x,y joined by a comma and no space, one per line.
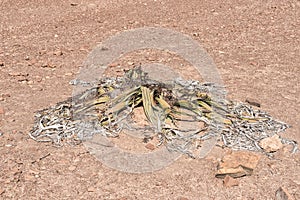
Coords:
237,164
283,194
271,144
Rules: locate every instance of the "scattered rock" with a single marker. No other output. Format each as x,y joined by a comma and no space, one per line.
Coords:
15,74
150,146
1,64
237,164
74,4
29,82
271,144
230,182
283,194
130,63
57,53
91,189
252,102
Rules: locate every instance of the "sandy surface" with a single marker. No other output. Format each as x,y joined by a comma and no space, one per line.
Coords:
255,46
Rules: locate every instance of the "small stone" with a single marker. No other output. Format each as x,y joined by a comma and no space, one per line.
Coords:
73,4
30,82
1,64
230,182
2,111
68,74
182,198
237,164
58,53
283,194
91,189
150,146
15,74
252,102
72,168
271,144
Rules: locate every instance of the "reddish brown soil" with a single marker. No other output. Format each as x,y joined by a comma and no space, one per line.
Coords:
254,44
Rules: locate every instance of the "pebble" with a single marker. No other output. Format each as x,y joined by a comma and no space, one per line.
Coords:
15,74
30,82
230,182
57,53
252,102
91,189
47,65
150,146
237,164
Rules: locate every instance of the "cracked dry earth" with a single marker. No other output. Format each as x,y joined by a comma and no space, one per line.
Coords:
254,44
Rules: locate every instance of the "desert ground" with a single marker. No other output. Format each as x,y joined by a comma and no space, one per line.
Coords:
254,44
